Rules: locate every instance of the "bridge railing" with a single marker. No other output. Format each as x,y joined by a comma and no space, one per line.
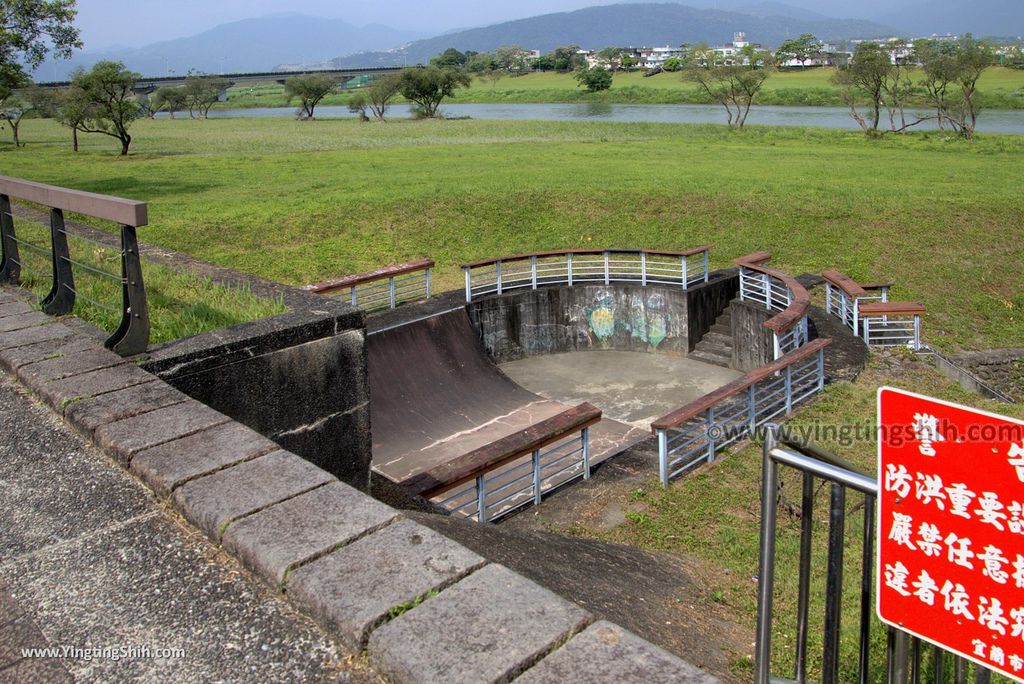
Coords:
892,324
515,471
905,659
779,292
692,434
384,288
132,333
583,267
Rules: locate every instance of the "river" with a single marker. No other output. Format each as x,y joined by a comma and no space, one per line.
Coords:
991,121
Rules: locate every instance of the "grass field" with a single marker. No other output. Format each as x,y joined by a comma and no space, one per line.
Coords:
303,201
1002,88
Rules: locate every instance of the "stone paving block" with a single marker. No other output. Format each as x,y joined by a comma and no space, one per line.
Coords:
34,374
277,539
7,297
12,359
36,671
125,438
14,309
89,414
14,636
354,589
59,393
171,464
211,502
606,653
25,320
41,333
487,628
10,609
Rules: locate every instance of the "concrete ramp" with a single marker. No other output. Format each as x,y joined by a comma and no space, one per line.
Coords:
435,395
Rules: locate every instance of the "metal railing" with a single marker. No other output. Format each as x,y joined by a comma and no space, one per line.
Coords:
843,297
892,324
132,333
905,655
693,434
384,288
776,292
515,471
582,267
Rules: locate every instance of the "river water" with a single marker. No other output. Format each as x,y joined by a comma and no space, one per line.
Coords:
992,121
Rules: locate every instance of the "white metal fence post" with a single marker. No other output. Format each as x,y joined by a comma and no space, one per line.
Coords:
536,477
663,457
585,438
481,498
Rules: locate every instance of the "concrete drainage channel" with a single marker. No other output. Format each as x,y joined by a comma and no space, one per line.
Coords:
423,607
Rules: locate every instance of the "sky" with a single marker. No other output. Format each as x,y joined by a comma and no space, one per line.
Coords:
107,23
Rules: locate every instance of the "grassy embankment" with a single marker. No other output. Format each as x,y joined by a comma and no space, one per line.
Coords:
300,202
1002,88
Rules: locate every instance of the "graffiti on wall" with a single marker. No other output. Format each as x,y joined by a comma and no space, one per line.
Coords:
643,316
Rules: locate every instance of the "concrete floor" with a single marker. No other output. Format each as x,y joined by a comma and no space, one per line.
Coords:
632,387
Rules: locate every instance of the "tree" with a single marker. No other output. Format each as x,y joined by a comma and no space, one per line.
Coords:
801,49
376,97
450,58
12,108
202,92
672,64
595,79
74,108
567,58
108,104
866,77
951,73
426,87
734,87
31,29
511,59
169,98
310,90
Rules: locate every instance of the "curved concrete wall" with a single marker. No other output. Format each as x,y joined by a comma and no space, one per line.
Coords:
618,317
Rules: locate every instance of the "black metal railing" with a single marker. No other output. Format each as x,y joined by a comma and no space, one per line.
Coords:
907,658
132,333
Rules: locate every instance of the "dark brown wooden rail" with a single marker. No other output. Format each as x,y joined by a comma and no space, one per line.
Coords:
850,286
801,301
502,451
124,211
699,406
890,308
551,253
329,286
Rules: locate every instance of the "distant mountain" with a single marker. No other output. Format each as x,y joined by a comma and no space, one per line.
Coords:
622,25
248,45
764,8
980,17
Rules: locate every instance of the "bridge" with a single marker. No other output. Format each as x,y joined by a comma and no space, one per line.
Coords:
150,83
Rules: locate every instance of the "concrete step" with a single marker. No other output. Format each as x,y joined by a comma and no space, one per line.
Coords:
716,338
721,328
713,359
715,349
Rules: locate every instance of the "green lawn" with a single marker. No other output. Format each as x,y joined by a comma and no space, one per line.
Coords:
303,201
1002,88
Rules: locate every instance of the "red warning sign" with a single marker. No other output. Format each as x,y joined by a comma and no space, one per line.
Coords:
951,527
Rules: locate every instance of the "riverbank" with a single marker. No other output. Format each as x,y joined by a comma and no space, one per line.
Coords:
1001,88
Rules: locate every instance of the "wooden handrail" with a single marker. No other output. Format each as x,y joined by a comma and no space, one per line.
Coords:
797,309
890,308
557,252
845,283
695,408
329,286
501,451
123,211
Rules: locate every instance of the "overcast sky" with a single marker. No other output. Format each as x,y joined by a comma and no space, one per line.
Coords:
106,23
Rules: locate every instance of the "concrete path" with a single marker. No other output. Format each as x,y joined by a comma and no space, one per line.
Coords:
88,560
631,387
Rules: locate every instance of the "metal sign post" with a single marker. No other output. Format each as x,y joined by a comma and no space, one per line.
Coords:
951,527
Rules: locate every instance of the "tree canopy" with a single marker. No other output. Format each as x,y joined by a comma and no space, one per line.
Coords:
595,79
801,49
104,101
734,87
426,87
32,29
309,89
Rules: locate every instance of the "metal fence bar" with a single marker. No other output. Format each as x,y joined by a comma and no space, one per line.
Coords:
10,263
60,300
